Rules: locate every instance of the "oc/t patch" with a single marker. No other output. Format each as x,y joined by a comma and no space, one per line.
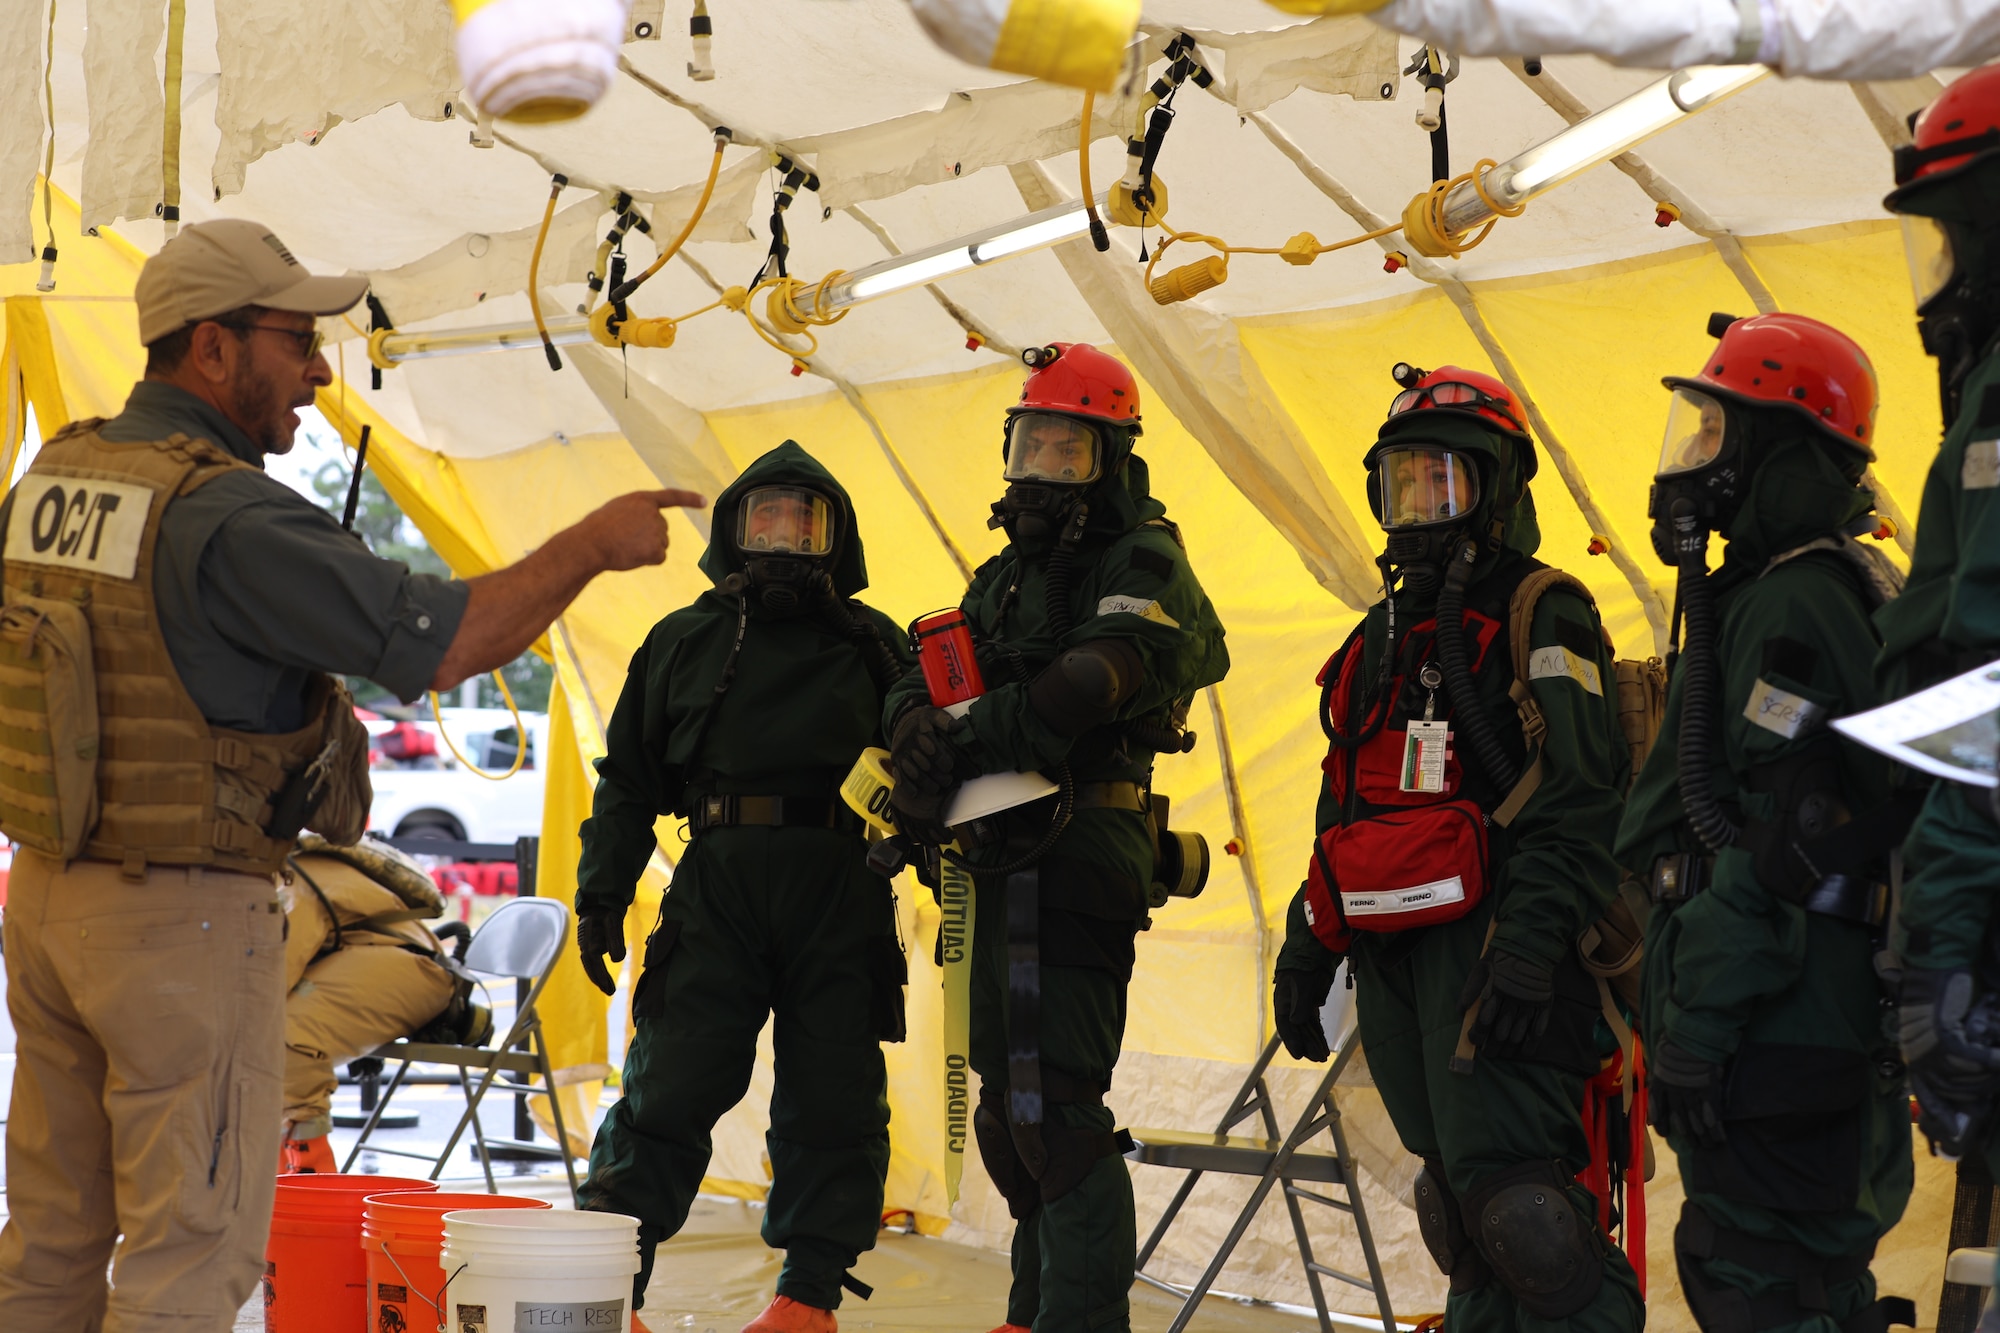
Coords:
82,523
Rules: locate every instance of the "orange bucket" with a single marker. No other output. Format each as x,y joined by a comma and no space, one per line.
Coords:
401,1234
315,1278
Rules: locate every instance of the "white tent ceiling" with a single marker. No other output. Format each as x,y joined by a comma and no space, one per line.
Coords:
290,116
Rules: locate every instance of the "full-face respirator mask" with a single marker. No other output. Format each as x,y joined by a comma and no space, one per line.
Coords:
785,535
1052,461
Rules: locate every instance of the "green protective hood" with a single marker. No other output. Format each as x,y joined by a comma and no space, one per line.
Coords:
1519,532
1798,494
787,465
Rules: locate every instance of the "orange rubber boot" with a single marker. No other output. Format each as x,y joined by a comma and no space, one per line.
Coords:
306,1156
785,1315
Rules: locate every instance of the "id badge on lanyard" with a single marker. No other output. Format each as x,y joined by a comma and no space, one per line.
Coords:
1424,746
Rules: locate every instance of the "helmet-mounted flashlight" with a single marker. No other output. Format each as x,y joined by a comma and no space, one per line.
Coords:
1407,375
1037,357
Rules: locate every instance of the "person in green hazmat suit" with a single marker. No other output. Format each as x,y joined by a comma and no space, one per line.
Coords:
1092,635
1948,619
742,713
1456,880
1763,839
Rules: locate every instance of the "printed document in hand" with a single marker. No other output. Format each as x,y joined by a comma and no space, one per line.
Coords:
1951,729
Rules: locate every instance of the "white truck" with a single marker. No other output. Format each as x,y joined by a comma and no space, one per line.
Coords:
422,791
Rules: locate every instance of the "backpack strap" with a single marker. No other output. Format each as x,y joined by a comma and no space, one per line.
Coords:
1520,624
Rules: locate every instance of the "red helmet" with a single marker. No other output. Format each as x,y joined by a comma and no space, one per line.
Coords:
1452,389
1077,380
1958,130
1795,362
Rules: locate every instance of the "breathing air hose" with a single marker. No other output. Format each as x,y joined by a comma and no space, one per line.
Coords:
859,630
1062,565
1467,712
1379,713
1694,746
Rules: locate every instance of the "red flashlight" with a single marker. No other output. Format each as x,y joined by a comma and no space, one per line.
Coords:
944,649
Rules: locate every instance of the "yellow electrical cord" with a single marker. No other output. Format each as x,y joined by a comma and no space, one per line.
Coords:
535,268
700,207
1422,223
1097,237
520,733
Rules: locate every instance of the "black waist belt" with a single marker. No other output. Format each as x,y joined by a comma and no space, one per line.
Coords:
1678,877
830,812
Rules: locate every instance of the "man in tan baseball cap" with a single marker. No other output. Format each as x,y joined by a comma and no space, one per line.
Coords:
215,267
145,953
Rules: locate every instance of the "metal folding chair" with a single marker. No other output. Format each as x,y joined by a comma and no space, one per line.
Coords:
522,940
1274,1161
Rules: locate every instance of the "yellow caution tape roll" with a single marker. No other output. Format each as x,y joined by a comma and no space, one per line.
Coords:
867,787
1076,42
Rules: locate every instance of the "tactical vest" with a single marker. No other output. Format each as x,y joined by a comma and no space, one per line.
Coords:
1397,859
169,788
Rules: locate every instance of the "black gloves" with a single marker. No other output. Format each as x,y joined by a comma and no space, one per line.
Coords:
1296,999
1949,1045
1516,998
601,931
928,769
1686,1094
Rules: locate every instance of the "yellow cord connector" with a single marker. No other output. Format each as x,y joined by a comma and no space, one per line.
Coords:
1423,221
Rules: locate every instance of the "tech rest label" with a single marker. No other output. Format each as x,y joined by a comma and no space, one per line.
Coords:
546,1317
78,523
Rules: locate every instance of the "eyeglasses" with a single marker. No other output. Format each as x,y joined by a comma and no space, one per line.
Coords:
1452,393
309,341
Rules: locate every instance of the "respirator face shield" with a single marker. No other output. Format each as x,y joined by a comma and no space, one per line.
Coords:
1928,250
784,520
1424,485
1700,462
1698,431
1048,447
785,535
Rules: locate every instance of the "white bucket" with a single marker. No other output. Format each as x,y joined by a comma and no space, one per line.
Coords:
546,1272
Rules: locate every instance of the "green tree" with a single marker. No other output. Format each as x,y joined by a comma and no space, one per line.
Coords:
380,522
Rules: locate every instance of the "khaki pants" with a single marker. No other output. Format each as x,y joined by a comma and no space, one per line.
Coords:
147,1019
368,991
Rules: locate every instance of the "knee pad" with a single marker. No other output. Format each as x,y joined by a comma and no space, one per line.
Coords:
1441,1222
996,1150
1073,1153
1538,1243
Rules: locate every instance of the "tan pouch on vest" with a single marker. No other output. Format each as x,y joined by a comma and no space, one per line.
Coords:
48,726
341,813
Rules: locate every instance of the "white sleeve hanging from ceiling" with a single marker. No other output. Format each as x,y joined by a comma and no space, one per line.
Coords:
292,71
121,84
1824,39
23,33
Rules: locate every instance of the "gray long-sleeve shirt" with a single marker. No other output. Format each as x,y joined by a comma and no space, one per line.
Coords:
258,588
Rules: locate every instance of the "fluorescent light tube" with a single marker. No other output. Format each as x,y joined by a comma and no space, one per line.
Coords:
1597,138
1036,231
